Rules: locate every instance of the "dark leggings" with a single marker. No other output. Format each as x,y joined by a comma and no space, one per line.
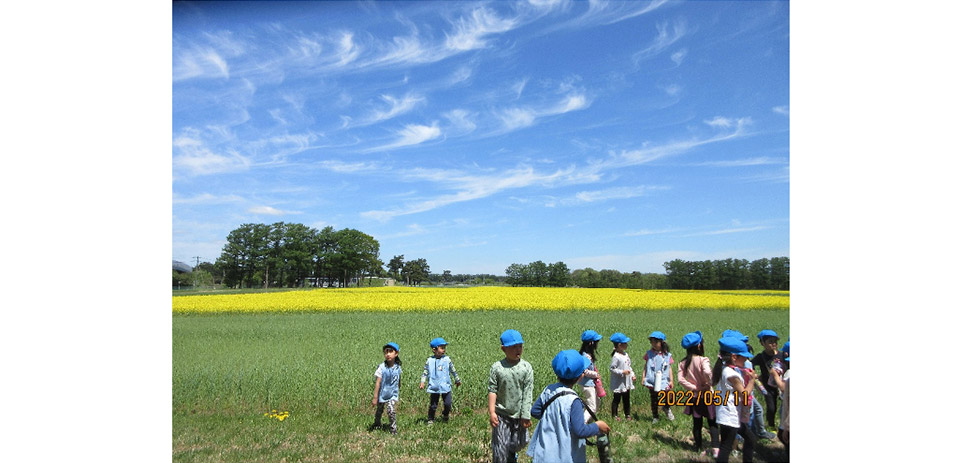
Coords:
698,432
435,401
728,436
626,403
654,398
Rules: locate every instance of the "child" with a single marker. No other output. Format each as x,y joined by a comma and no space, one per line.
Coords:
510,395
694,374
387,388
658,359
621,374
735,383
559,437
440,370
767,360
756,410
588,348
783,383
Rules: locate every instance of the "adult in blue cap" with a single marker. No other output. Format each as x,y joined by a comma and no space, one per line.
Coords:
695,375
768,359
441,372
559,437
590,383
735,386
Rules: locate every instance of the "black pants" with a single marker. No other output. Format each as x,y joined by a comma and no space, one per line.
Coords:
654,398
617,396
728,436
698,429
435,401
771,401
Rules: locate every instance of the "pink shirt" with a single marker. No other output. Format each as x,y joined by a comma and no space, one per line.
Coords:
699,377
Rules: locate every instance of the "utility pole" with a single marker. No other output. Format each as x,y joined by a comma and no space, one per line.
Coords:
195,272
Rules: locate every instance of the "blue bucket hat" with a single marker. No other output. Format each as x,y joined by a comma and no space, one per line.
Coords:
510,337
734,346
766,334
569,364
786,350
658,335
590,335
735,334
691,339
618,338
437,342
393,346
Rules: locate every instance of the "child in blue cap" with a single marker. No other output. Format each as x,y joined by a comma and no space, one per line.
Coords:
559,436
768,360
783,383
622,375
509,398
440,370
694,374
588,348
735,383
658,360
386,391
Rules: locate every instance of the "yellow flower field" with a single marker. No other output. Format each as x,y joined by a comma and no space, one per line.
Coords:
479,298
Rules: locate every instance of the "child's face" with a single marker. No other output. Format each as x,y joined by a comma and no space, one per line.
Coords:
439,351
513,352
621,347
770,344
655,344
739,360
389,354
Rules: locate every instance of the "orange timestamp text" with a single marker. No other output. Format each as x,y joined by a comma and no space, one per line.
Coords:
694,398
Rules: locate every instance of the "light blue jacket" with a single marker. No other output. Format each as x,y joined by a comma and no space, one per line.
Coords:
657,361
440,371
389,382
559,437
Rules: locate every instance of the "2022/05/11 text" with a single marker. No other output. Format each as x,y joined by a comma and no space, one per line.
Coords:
694,398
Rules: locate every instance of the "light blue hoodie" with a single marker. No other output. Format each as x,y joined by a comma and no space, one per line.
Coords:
559,437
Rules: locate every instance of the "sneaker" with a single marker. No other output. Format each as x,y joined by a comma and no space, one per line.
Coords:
716,452
656,420
670,415
429,422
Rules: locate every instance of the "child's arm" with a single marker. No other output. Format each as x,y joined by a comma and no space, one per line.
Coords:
777,379
670,370
376,391
453,374
426,372
686,383
738,385
492,408
537,410
578,428
646,367
526,399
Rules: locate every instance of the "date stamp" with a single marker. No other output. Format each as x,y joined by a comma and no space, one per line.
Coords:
695,398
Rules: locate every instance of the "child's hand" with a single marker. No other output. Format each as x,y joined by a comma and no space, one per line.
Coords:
374,403
604,427
421,385
627,372
633,378
494,421
525,423
458,383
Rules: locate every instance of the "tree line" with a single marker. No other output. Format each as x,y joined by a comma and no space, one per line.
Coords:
538,273
763,273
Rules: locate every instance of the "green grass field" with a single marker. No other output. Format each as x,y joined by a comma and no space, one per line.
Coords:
231,369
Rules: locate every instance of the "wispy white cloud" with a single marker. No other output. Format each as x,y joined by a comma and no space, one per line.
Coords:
206,198
396,107
411,134
719,121
678,57
760,161
727,231
471,32
785,110
267,210
197,160
349,167
199,62
666,36
519,86
461,121
520,117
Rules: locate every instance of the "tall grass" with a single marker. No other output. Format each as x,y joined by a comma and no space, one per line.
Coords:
230,369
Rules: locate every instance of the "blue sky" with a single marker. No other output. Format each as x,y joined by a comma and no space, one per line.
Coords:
602,134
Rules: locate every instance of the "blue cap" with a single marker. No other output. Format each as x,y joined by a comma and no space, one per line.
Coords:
767,333
734,346
735,334
392,345
658,335
569,364
786,350
510,337
691,339
437,342
619,338
590,335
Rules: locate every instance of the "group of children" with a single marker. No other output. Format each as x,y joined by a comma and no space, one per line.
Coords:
724,394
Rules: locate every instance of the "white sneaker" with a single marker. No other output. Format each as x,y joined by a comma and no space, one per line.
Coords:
670,415
656,420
